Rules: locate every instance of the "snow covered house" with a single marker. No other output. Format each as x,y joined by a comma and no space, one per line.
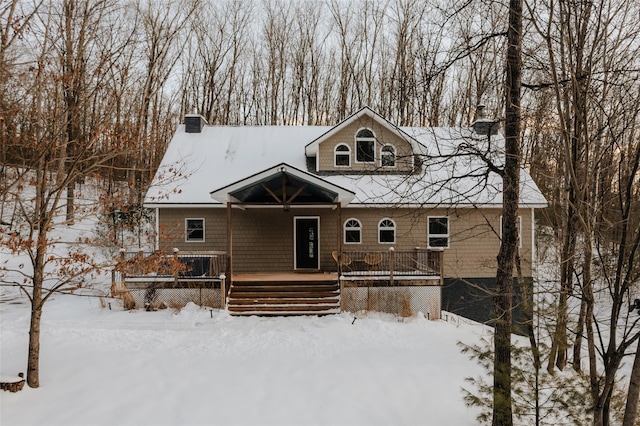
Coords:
360,215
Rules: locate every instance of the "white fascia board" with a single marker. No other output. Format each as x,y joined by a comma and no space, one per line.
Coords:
441,205
218,205
182,205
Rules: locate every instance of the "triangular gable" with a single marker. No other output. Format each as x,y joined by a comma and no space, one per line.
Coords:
311,149
283,184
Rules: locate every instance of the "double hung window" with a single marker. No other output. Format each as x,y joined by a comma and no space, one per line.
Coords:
519,226
438,230
194,230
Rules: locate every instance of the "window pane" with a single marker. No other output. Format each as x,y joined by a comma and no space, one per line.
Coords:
365,151
438,225
342,160
365,133
387,236
438,242
195,230
352,236
388,156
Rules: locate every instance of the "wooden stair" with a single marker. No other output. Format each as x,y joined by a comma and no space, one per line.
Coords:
284,298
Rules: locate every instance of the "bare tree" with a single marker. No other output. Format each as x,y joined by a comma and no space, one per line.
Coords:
633,395
60,98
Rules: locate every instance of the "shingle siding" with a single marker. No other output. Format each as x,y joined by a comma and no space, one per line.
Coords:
263,238
383,136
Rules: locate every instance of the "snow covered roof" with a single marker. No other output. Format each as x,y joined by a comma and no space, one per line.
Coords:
199,165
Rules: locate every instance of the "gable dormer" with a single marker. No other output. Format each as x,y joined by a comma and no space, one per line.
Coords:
364,142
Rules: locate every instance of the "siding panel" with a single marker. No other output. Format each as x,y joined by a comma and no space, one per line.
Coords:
263,238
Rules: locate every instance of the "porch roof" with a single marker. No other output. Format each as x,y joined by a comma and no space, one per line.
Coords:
283,184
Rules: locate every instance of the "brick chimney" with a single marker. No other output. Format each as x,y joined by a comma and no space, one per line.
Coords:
482,125
194,123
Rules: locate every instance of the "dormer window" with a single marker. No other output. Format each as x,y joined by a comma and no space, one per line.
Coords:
388,156
342,156
365,146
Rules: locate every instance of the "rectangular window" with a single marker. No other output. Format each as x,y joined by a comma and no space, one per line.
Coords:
352,236
438,230
387,236
365,151
519,226
342,159
194,230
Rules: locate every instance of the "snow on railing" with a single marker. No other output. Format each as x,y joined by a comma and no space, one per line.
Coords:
391,263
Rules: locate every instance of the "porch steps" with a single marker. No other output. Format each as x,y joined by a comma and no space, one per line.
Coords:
280,298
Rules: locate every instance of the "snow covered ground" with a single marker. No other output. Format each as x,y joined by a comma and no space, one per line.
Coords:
101,366
198,366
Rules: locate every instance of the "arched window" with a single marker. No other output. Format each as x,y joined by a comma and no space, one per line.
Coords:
365,146
387,231
352,231
388,156
342,155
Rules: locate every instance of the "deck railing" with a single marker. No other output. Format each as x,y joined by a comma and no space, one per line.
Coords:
183,265
391,264
151,271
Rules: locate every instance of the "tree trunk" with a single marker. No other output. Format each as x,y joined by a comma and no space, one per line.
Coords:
33,361
33,357
526,301
502,411
579,331
633,395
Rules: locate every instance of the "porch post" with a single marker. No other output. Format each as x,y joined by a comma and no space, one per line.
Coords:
229,246
441,258
339,233
392,262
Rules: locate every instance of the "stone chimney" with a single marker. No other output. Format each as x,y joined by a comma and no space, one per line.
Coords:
194,123
482,125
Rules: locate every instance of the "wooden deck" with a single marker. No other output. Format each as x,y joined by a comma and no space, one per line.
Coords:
286,277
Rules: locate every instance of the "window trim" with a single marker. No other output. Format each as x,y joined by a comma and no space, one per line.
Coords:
394,154
365,139
186,230
519,226
344,231
447,235
335,155
387,228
